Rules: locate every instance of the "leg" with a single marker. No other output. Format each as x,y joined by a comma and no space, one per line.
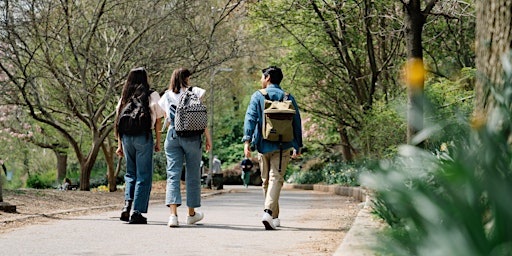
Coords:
174,155
192,147
130,176
276,180
144,164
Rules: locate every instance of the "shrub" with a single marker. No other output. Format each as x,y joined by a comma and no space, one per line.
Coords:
455,201
41,181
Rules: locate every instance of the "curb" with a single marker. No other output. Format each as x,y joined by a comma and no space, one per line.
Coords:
361,237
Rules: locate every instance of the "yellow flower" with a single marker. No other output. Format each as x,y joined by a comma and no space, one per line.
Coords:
478,121
414,74
444,147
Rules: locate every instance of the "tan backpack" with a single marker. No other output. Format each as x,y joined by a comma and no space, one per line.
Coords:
278,119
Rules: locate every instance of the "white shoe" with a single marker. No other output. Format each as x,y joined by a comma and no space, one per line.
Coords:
268,221
173,221
277,222
193,219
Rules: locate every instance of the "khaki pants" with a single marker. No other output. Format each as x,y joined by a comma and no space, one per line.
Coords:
273,179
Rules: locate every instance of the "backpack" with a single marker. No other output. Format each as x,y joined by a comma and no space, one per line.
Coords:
135,117
278,119
191,116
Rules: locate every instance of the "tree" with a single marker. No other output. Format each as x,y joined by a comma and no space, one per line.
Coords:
339,54
493,42
414,20
66,61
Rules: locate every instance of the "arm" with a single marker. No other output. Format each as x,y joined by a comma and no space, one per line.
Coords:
119,150
250,123
247,149
208,144
158,131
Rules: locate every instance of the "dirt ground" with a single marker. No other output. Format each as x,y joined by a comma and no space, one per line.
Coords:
40,205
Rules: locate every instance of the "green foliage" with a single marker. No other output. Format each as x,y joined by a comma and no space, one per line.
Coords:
159,166
452,100
316,171
41,181
455,201
383,128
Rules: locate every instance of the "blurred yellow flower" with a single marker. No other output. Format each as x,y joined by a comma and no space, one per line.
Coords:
414,74
478,121
444,147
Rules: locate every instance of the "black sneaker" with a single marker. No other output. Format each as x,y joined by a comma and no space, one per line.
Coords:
125,214
137,218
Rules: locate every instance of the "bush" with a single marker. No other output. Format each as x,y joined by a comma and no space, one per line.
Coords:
42,181
316,171
456,200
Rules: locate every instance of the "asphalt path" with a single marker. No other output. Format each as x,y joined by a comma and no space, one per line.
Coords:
310,225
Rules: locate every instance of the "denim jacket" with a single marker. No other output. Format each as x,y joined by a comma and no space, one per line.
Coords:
253,122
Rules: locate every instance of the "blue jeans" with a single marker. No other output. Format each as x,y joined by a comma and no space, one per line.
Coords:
178,149
138,152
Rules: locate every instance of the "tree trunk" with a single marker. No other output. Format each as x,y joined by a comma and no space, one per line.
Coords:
414,20
1,185
87,164
346,147
108,152
493,41
62,163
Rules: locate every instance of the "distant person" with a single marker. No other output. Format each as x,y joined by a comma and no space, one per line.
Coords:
66,184
216,169
270,154
137,146
178,148
246,166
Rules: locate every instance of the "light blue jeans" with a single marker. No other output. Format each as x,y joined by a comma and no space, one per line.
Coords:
138,152
178,149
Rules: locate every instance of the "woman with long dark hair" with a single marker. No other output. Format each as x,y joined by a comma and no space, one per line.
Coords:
137,147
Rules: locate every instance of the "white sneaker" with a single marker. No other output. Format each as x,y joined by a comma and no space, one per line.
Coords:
173,221
268,221
193,219
277,222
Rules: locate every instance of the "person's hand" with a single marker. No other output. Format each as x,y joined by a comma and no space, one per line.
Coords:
157,147
120,151
208,145
247,150
294,153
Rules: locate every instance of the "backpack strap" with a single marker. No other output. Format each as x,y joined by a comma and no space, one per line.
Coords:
265,94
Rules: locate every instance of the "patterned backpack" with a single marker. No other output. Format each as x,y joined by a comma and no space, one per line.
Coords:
191,116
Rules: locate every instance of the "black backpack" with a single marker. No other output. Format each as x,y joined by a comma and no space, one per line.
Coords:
135,117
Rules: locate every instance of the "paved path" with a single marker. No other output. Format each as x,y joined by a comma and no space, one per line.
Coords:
232,226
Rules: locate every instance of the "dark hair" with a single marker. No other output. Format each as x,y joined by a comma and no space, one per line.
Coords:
275,73
136,84
179,79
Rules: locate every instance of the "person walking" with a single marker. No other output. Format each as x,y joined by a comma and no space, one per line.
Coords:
178,149
272,156
246,166
137,147
216,169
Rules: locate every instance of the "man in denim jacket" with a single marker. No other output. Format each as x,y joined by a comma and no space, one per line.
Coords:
269,153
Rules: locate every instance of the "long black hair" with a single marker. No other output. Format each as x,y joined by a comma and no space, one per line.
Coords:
136,85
